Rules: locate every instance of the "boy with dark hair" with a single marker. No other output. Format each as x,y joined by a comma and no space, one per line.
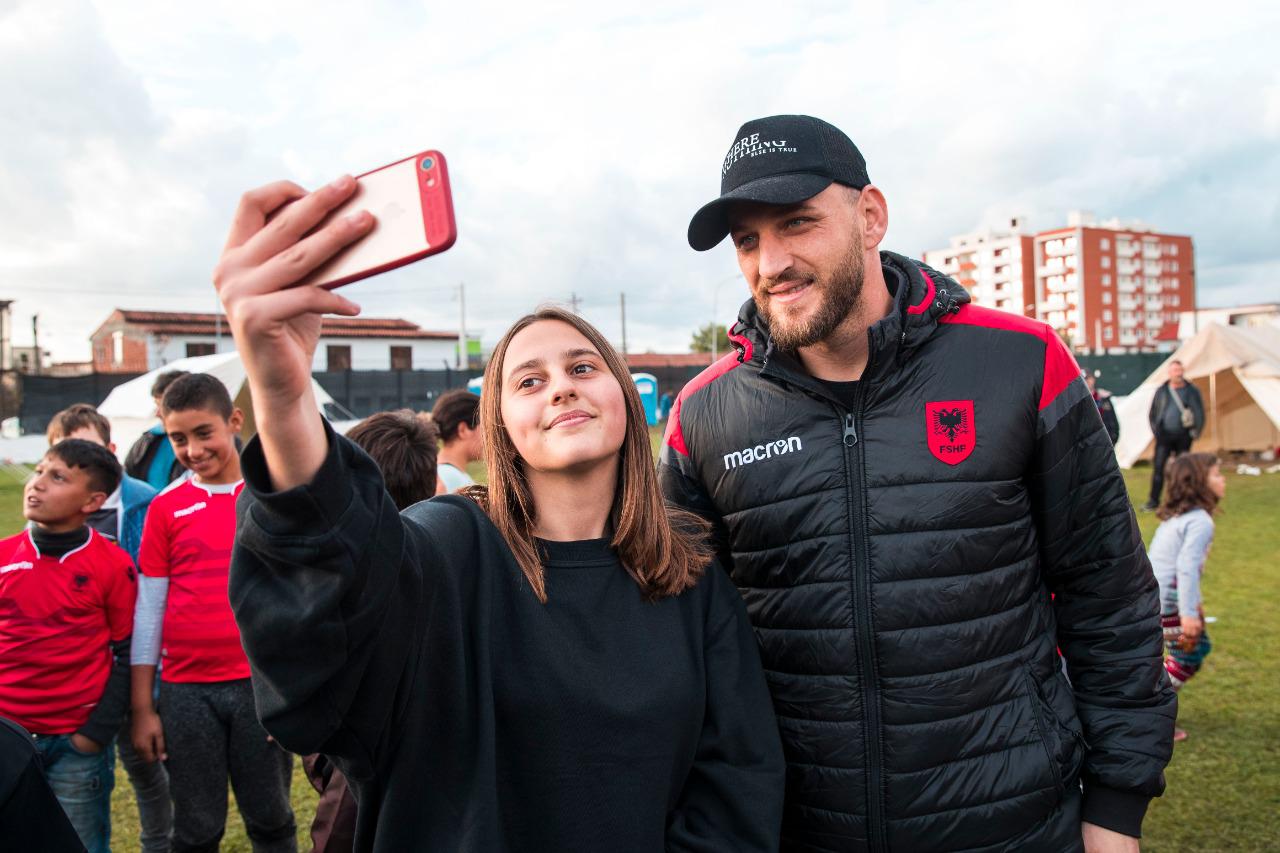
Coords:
457,416
66,614
151,456
206,728
120,520
403,444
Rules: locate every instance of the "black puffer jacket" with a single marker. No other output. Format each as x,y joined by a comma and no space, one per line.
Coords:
910,567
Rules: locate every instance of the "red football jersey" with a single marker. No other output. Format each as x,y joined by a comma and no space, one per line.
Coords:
58,616
187,538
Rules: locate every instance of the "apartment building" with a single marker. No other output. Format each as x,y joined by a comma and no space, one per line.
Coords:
993,265
1104,286
1113,286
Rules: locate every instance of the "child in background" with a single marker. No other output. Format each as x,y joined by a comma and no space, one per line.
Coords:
403,445
456,414
151,457
120,520
1194,486
66,614
206,727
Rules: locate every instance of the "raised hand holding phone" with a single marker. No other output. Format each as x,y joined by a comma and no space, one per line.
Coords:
273,245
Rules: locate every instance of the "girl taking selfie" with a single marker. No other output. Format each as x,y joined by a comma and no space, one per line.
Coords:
552,662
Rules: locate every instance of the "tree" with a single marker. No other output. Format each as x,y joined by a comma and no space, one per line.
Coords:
701,341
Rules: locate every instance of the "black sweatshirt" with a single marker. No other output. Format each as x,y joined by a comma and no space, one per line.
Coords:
108,715
470,717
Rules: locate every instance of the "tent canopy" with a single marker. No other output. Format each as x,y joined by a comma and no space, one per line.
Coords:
1237,371
131,410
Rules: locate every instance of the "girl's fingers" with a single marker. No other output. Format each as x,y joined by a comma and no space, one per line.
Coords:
289,225
285,305
290,266
254,208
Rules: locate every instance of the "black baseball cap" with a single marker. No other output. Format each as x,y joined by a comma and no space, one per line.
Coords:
778,160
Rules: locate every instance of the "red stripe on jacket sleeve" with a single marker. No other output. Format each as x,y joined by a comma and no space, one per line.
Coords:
1060,366
1060,369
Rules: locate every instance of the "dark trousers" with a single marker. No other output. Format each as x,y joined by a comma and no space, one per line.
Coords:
1167,447
211,732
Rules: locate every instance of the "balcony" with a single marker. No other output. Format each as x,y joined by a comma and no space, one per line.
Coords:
1058,248
1152,268
1129,304
1127,250
1123,268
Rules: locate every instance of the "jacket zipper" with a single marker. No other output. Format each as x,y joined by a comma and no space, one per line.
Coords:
860,592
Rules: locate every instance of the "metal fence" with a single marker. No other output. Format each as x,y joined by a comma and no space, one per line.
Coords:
364,392
42,397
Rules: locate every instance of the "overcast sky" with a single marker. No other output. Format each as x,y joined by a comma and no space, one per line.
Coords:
580,140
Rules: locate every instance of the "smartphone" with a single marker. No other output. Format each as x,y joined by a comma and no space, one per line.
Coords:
412,206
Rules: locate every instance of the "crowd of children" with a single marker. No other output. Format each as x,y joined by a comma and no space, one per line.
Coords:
116,633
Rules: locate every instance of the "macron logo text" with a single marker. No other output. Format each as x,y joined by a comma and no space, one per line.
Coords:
195,507
762,451
13,567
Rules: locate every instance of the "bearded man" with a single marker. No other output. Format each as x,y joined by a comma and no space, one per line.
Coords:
921,507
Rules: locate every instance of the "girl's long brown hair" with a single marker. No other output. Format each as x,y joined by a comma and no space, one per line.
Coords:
664,549
1186,483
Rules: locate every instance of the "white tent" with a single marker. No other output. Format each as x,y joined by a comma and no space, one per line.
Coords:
1237,371
131,410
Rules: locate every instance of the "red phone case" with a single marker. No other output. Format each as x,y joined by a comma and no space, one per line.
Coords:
398,238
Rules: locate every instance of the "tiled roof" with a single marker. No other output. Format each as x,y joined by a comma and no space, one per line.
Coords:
675,359
180,323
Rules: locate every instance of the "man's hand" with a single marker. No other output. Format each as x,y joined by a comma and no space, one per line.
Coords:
1099,840
276,324
1192,627
85,744
148,736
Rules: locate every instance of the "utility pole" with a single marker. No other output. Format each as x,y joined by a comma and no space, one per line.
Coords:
574,301
35,343
624,324
464,360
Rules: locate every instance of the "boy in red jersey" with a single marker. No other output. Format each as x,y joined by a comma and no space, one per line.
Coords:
66,615
206,727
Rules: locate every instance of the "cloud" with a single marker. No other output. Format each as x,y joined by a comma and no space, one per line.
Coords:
581,138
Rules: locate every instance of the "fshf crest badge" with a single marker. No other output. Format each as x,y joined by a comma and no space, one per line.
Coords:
950,430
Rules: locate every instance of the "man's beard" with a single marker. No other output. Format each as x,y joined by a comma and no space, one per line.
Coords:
840,295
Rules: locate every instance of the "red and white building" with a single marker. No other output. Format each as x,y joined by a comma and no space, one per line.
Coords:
138,341
1113,287
1105,287
994,266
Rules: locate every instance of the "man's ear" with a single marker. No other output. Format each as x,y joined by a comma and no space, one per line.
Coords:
236,420
875,216
94,503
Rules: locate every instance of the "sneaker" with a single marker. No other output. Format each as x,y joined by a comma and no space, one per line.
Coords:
1179,735
1147,507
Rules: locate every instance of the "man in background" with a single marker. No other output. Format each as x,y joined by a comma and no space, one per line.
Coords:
1177,418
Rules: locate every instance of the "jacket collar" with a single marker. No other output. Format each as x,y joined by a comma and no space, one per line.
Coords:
927,297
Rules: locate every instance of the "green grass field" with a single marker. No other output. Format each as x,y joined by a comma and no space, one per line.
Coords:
1224,785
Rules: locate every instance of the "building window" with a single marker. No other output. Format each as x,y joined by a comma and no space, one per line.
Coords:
339,357
1173,266
117,347
1106,262
1104,244
1106,333
402,358
1106,316
200,349
1106,297
1173,249
1174,299
1106,279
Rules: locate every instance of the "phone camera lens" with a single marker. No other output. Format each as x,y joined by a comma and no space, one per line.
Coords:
427,163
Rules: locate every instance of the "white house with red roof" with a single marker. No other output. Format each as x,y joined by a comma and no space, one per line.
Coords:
138,341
